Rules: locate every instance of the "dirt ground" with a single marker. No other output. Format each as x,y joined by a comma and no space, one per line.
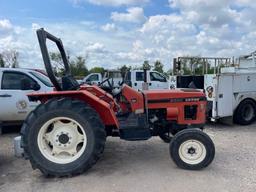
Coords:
145,166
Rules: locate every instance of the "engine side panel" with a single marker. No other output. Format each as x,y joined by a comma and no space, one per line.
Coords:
184,107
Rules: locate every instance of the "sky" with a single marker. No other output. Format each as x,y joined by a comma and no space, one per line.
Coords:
117,32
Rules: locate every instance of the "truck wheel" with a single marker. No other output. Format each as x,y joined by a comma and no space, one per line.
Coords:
192,149
63,137
245,112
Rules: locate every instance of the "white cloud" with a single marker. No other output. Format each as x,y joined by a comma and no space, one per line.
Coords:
7,28
112,2
35,26
19,38
133,15
196,27
138,53
109,27
95,47
5,25
154,23
89,24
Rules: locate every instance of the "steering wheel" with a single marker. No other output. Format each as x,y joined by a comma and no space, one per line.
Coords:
109,84
112,88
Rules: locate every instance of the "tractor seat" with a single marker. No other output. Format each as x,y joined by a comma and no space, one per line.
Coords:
69,83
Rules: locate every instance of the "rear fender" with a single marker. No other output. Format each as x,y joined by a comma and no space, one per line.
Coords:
104,109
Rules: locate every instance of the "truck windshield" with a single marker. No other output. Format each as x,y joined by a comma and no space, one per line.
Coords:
43,78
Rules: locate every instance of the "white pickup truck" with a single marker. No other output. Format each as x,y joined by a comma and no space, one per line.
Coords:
115,77
134,78
15,84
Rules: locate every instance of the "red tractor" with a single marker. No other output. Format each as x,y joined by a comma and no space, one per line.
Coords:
66,134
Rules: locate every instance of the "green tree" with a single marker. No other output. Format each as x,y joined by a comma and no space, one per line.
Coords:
124,69
15,63
56,57
191,65
10,58
186,71
57,63
2,63
158,66
168,72
137,68
146,65
78,67
196,66
97,70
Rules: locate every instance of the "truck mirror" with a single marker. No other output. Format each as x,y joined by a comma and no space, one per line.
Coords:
36,87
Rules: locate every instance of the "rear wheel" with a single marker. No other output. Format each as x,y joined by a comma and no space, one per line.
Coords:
192,149
63,137
245,112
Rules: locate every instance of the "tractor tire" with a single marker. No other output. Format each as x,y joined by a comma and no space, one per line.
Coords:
192,149
63,137
245,112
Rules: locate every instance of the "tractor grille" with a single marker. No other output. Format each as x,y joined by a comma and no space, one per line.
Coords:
190,112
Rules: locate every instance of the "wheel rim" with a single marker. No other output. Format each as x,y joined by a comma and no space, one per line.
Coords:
62,140
192,152
248,112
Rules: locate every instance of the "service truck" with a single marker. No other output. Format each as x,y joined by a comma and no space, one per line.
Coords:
230,90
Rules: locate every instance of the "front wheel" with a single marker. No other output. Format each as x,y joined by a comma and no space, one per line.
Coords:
192,149
63,137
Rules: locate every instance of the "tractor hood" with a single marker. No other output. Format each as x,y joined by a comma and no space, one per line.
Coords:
175,95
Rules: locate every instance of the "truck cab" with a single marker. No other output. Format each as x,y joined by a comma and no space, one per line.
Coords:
14,87
93,79
155,80
115,77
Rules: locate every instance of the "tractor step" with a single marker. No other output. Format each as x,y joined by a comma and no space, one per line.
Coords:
134,127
